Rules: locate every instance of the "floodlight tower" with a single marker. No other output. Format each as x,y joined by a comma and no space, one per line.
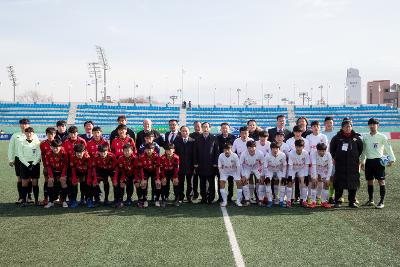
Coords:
95,73
104,64
13,77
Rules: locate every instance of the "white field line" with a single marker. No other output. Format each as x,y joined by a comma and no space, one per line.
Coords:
232,239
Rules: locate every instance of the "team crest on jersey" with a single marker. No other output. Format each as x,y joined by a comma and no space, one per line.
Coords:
376,145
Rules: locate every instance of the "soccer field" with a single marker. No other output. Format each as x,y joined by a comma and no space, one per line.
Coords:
195,234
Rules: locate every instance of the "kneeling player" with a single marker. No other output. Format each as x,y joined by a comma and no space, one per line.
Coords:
251,162
169,163
229,166
103,164
57,163
28,153
321,163
275,172
125,174
299,162
149,166
80,163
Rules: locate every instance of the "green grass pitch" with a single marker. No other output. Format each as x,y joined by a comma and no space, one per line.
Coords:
195,235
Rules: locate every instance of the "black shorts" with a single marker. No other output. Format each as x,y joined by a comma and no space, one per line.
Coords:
17,166
103,174
26,173
374,170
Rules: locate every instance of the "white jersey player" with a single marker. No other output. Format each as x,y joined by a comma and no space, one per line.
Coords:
316,137
263,144
229,165
251,163
297,135
321,162
274,171
299,162
239,145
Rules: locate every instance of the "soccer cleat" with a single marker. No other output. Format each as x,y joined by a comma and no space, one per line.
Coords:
261,204
337,205
312,205
223,204
341,200
128,202
44,202
288,204
164,204
139,204
353,205
239,204
331,200
253,201
357,202
49,205
157,203
281,204
269,205
369,203
90,204
304,204
319,201
326,205
64,204
119,205
309,201
276,201
177,203
30,200
106,203
38,203
57,201
73,204
380,205
145,204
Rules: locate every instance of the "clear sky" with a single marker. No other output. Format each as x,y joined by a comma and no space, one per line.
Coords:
297,44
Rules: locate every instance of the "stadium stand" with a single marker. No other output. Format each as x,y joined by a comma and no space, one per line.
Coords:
236,116
39,114
388,116
107,114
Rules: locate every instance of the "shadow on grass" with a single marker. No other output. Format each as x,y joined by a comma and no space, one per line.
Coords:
197,210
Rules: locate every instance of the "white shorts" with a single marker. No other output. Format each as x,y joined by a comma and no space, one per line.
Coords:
224,176
247,173
274,175
297,173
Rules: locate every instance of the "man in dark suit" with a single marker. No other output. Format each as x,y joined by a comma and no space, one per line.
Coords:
205,161
197,130
172,134
122,121
184,148
147,129
195,135
225,137
88,135
280,127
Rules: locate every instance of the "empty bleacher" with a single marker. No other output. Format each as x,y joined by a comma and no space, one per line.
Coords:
107,114
388,116
39,114
235,116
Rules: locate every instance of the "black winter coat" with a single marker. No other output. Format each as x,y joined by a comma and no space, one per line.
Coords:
346,152
206,153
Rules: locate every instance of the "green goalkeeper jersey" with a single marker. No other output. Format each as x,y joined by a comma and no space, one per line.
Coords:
375,145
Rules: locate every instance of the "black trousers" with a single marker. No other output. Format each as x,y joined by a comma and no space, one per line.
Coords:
351,197
207,194
195,185
188,178
230,187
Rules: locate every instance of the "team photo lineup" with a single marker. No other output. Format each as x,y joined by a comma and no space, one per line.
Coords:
309,167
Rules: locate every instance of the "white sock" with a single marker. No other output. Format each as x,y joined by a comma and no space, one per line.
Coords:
282,193
239,195
251,190
325,193
288,193
268,192
246,192
223,194
260,192
303,194
314,194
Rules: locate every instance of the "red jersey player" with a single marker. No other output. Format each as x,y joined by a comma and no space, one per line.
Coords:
169,171
93,144
149,166
45,147
122,139
81,169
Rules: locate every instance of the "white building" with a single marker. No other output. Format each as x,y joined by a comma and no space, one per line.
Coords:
354,95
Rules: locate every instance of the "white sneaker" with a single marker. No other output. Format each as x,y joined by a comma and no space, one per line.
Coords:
64,205
224,204
49,205
157,204
253,201
238,204
146,204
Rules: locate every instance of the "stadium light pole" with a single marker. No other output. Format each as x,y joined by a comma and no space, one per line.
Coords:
13,78
238,95
94,71
268,97
303,95
322,99
104,64
173,98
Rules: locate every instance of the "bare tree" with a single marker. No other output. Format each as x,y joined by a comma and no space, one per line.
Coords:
34,96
